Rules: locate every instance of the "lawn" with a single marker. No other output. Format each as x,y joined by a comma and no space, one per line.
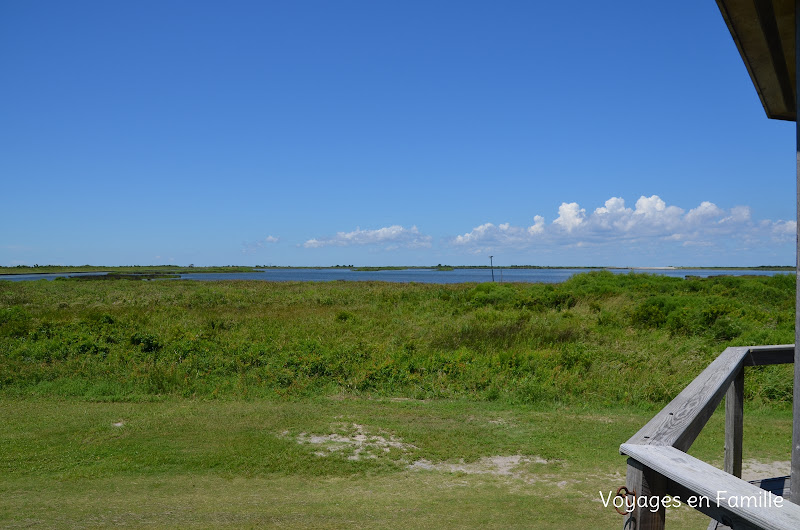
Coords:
328,463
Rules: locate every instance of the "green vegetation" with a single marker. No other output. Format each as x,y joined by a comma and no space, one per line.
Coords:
172,269
787,268
133,269
245,403
588,340
199,464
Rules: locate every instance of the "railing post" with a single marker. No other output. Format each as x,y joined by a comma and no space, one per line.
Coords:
734,412
649,484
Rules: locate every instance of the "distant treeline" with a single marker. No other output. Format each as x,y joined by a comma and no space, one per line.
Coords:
189,269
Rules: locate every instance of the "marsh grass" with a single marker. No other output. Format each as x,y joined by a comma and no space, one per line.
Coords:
132,269
598,338
247,404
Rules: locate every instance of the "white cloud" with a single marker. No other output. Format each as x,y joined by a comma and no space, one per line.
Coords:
392,237
504,235
570,216
255,246
738,214
651,221
785,229
538,225
706,211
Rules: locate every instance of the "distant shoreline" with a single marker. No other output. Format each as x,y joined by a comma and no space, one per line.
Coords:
172,269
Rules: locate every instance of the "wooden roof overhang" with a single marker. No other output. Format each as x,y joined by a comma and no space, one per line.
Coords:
763,31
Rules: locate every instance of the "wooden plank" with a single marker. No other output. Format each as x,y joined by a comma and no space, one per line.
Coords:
644,481
733,501
679,423
734,423
762,355
778,486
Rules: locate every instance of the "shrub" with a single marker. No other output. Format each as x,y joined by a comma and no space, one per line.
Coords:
652,312
146,341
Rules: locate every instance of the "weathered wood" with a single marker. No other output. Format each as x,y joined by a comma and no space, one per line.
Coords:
778,486
762,355
795,472
679,423
733,501
644,482
734,423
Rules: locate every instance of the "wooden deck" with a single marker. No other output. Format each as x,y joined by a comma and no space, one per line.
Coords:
659,465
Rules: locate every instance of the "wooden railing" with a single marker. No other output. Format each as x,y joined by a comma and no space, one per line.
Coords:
659,467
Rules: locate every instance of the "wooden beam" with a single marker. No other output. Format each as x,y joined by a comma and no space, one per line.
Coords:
734,423
772,36
762,355
795,473
679,423
645,482
763,31
733,501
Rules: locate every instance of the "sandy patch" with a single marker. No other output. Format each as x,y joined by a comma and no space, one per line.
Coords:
488,465
501,421
353,440
753,469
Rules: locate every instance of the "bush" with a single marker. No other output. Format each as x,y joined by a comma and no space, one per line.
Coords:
652,312
146,341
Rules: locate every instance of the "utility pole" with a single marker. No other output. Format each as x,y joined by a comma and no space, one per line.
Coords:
491,264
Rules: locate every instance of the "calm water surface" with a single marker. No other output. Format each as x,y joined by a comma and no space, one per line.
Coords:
415,275
454,276
53,276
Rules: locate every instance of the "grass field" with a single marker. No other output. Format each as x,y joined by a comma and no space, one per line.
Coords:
327,463
243,404
588,340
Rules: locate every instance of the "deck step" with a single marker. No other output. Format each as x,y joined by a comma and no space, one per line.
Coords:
777,486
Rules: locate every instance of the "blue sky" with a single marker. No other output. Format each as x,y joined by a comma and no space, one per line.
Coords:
385,132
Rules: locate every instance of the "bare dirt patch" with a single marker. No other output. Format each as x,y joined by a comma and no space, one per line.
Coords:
488,465
353,441
753,469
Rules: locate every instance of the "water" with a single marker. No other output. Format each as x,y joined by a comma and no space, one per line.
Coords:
454,276
417,275
398,276
48,276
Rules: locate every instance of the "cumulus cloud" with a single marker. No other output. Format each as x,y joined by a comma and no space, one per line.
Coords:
570,216
650,220
391,237
706,211
501,235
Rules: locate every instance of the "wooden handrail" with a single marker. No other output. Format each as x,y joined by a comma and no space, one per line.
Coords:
719,494
679,423
671,432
